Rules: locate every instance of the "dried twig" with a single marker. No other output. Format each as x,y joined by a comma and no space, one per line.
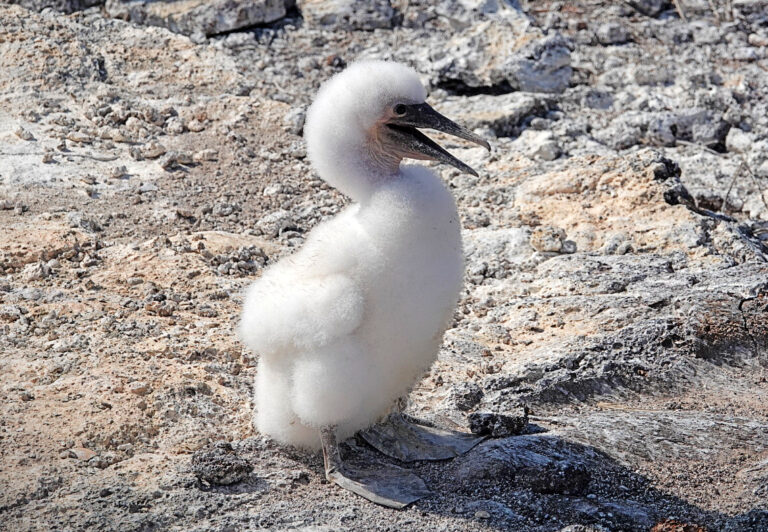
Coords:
680,11
755,181
715,11
730,186
742,164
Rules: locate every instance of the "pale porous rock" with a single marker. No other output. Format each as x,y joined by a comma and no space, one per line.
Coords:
738,141
504,115
347,14
611,33
198,16
665,129
754,11
540,145
65,6
503,52
502,48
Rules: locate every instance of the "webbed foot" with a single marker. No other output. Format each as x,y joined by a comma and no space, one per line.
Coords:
408,440
388,485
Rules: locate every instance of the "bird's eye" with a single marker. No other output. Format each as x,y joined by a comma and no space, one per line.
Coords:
399,109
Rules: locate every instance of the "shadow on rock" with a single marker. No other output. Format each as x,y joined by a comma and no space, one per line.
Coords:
545,482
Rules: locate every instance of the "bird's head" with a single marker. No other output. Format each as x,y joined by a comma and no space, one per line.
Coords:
366,119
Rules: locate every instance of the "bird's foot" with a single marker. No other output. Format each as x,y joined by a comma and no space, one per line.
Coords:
408,440
387,485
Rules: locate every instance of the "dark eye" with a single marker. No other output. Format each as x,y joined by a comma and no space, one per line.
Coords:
400,109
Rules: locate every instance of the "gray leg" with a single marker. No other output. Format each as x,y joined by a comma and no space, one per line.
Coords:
331,454
383,484
408,440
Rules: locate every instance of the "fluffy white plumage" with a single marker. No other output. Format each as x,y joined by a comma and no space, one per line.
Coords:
346,325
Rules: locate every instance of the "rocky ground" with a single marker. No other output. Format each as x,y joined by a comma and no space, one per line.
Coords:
151,165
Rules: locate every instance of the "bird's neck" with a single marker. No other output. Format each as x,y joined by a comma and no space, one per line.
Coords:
358,171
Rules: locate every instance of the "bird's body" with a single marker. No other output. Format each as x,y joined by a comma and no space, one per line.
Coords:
347,324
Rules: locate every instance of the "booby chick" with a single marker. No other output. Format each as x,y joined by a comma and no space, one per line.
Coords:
346,325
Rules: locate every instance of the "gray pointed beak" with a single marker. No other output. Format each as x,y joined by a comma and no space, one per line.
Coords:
422,115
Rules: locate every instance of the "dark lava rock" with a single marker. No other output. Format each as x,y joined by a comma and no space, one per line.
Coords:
220,465
541,464
755,519
466,396
649,7
564,479
498,425
584,528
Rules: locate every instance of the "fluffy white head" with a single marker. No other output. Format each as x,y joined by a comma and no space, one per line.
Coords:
342,122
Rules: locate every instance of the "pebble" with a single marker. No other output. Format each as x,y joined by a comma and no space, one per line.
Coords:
173,159
738,141
24,134
548,239
205,155
758,40
174,126
35,272
183,157
81,453
195,125
220,465
649,7
223,209
612,33
569,246
135,153
153,150
294,120
77,136
547,151
118,171
138,388
164,309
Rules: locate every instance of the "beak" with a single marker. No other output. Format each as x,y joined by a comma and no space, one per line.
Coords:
419,146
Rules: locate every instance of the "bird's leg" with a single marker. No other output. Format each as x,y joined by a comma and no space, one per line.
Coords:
331,455
400,405
383,484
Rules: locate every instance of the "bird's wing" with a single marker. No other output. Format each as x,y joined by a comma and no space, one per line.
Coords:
303,302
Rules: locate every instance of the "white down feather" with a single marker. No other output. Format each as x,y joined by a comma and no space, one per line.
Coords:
348,324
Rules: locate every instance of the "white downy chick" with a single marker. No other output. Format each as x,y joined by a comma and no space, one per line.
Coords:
347,325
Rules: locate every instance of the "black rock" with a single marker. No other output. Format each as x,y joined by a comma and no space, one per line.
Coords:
220,465
498,425
649,7
466,396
